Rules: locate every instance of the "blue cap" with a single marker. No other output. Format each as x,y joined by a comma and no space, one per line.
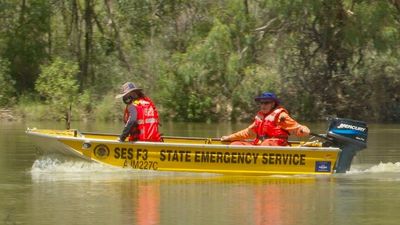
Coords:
267,96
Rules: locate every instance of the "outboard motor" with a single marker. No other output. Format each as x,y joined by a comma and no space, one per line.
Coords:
350,136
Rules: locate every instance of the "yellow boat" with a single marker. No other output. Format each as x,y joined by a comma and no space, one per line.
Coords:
190,154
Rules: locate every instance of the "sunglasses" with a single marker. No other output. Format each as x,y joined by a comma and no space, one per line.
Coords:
265,103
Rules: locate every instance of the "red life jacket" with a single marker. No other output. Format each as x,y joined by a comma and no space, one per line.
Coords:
147,121
267,126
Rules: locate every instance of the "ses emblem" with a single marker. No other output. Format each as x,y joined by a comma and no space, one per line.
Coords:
101,151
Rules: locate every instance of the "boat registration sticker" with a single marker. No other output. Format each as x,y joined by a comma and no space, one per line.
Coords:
322,166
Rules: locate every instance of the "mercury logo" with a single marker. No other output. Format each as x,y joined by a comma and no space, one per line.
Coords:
323,167
348,126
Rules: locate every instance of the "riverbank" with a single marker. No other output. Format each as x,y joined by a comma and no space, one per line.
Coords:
8,115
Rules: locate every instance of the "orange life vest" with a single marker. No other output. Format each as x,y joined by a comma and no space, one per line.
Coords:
147,121
266,126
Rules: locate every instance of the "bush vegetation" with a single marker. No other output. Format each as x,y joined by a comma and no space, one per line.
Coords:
201,60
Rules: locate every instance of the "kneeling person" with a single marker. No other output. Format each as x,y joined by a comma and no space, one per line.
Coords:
140,116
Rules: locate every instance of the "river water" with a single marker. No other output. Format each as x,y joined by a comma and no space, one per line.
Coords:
37,189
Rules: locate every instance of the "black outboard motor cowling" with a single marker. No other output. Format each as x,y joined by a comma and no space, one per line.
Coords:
350,136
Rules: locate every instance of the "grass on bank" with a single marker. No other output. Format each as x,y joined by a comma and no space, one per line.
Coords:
106,109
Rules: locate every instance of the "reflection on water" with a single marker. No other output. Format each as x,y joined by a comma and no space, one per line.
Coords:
174,198
120,196
54,189
148,204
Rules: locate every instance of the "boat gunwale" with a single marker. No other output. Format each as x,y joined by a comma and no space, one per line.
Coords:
214,146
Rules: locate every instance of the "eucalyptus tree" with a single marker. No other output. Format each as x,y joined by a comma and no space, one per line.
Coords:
24,34
324,50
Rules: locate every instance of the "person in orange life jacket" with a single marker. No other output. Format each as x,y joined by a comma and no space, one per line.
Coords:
271,127
140,116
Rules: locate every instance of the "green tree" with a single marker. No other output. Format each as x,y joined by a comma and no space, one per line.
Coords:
325,44
57,84
201,74
206,60
27,39
7,91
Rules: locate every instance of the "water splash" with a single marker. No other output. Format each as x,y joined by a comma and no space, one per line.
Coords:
57,167
62,164
388,167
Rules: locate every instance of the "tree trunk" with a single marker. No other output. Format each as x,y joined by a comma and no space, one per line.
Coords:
86,64
122,56
75,39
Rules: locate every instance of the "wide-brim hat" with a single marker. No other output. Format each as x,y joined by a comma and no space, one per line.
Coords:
127,88
267,96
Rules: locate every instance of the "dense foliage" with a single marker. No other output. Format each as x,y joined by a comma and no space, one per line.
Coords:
202,60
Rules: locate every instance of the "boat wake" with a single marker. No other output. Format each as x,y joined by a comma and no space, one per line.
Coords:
58,167
62,164
380,172
380,168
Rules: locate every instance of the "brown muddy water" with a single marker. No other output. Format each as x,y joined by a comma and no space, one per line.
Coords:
52,189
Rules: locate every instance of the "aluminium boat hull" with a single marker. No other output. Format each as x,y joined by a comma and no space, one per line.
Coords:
188,154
